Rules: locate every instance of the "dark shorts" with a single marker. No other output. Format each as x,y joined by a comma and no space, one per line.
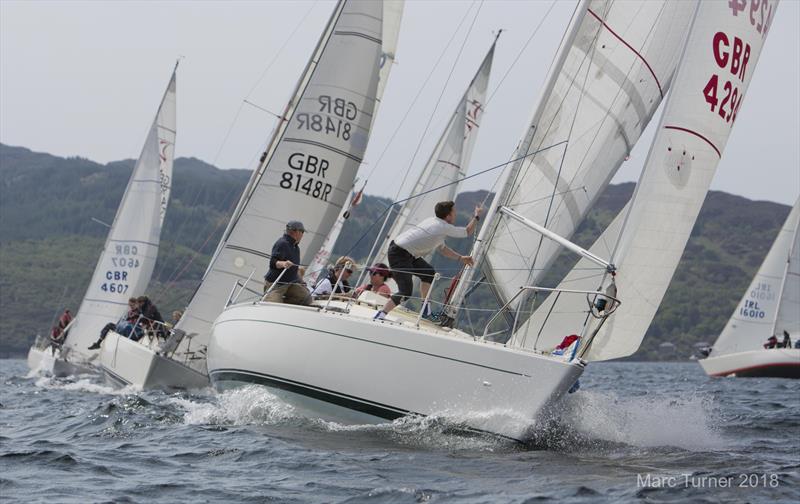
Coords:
404,266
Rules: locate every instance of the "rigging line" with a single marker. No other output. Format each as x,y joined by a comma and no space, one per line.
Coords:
561,164
178,271
263,109
439,100
521,51
419,92
537,200
236,118
569,136
456,181
258,81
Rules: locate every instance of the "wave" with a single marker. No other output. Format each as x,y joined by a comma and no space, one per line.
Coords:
597,418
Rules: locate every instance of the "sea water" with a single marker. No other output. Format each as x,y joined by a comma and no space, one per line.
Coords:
634,431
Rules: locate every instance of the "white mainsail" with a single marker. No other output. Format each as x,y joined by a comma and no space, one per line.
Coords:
771,303
392,17
647,239
613,68
131,248
309,167
450,158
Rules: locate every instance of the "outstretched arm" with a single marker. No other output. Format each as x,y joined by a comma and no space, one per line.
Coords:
452,254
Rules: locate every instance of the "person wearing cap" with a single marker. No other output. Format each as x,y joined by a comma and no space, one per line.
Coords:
336,280
378,274
407,253
285,258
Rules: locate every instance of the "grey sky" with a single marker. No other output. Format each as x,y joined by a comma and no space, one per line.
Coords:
84,78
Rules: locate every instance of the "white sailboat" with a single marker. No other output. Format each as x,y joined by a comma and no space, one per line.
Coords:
306,174
130,251
769,307
335,361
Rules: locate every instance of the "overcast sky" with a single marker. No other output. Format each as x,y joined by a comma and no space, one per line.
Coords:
84,79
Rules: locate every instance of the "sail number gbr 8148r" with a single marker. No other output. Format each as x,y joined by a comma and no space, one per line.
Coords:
307,172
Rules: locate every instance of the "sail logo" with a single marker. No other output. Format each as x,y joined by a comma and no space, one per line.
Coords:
163,177
473,111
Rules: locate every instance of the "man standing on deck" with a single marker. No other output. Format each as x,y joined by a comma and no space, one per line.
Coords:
284,263
407,253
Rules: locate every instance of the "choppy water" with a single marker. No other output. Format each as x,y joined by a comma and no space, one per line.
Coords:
78,440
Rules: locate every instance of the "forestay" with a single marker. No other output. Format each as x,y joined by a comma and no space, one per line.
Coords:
129,254
758,312
449,160
615,65
309,167
647,239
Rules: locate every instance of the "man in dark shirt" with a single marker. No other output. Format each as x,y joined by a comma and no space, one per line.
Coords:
285,259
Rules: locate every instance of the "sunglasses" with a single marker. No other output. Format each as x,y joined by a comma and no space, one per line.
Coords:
349,271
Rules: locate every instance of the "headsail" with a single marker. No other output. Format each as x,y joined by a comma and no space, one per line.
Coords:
647,238
129,255
309,167
613,68
758,315
450,158
392,16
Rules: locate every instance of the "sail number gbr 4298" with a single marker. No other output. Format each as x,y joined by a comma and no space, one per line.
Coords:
307,172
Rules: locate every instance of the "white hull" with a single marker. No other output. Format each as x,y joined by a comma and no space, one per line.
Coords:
349,368
775,362
46,362
126,362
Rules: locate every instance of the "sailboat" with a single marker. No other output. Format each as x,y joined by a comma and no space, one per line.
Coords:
305,174
129,253
336,362
769,307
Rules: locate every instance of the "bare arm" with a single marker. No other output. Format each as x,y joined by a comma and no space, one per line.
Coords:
473,223
452,254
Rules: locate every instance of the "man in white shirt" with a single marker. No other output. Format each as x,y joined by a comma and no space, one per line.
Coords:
407,252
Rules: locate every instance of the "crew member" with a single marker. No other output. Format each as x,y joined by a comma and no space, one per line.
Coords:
407,253
285,258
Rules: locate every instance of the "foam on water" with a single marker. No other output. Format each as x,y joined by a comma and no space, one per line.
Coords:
250,405
82,383
643,421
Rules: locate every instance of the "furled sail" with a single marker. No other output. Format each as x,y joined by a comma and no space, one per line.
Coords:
613,68
450,158
309,167
646,240
131,248
758,311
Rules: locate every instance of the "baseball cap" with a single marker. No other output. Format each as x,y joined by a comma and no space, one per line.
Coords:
295,225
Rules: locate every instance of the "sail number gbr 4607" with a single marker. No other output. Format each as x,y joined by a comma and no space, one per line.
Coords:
123,260
307,172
